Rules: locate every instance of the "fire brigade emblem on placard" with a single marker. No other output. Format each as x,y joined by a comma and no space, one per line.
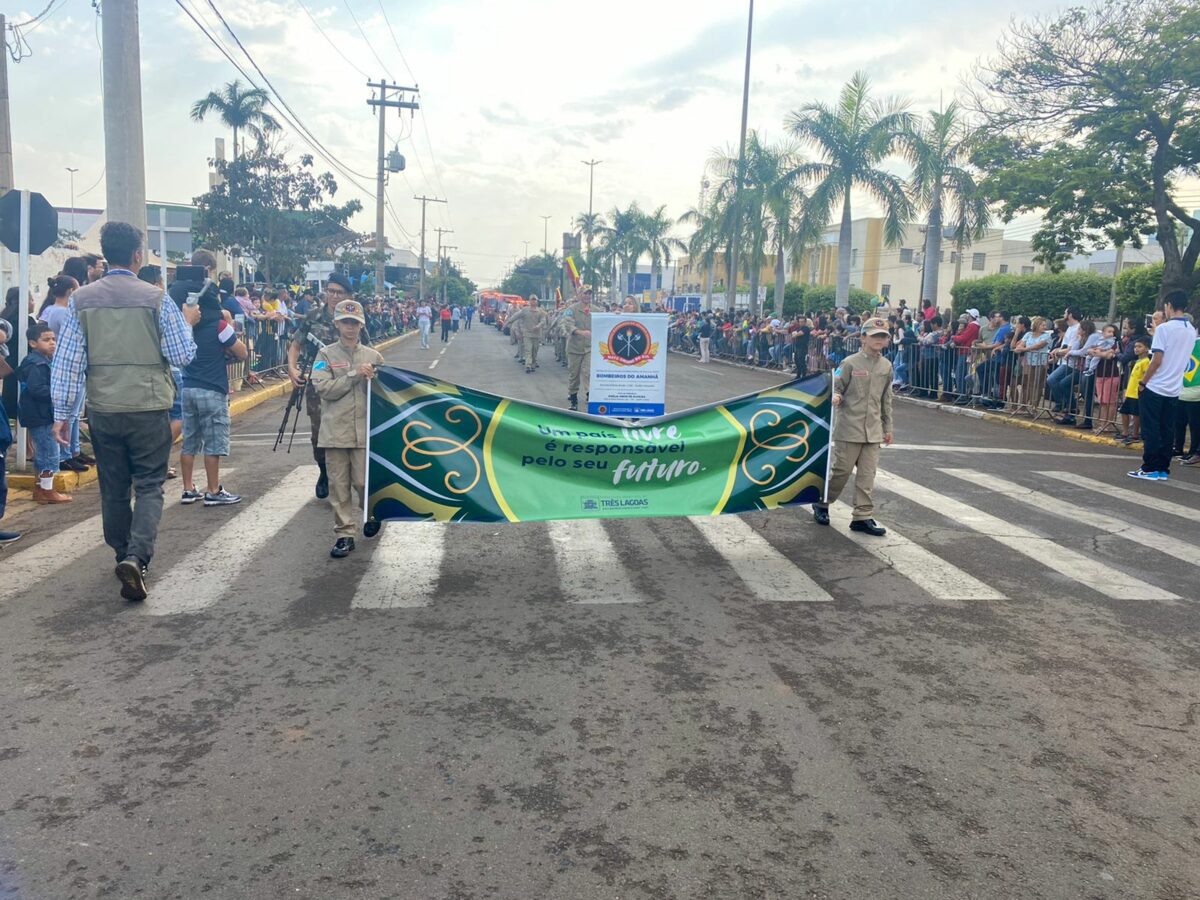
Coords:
629,344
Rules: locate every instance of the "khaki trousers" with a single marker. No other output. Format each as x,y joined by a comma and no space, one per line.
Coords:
347,472
847,456
531,348
578,368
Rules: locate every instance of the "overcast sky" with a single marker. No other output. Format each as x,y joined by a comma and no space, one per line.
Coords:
514,95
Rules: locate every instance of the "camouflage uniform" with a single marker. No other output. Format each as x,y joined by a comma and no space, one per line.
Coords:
319,323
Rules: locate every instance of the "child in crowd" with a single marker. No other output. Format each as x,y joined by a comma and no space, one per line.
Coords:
1131,423
341,376
36,412
1107,375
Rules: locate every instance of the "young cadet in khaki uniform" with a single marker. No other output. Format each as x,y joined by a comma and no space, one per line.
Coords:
532,320
341,375
577,325
862,397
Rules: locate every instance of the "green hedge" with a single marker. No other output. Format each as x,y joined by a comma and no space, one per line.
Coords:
801,298
1043,294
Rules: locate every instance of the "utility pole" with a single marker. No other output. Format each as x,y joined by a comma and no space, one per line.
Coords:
72,174
446,250
382,103
545,233
124,152
6,154
1112,293
441,281
734,245
421,276
591,164
526,243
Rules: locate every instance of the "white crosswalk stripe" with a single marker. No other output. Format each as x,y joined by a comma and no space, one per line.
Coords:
64,548
1164,543
589,569
1086,571
192,584
769,575
405,565
1114,492
930,572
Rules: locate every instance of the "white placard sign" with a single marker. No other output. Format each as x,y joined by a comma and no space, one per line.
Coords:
629,365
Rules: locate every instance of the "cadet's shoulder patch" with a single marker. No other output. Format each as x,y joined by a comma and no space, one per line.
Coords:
319,365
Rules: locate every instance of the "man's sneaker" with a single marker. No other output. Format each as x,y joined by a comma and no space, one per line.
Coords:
1147,476
342,548
221,498
190,496
9,537
133,578
1192,461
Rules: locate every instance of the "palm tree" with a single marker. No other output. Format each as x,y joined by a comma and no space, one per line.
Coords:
703,245
938,147
655,228
240,109
625,242
590,225
853,138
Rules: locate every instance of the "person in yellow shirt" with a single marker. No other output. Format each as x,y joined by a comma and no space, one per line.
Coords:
1131,421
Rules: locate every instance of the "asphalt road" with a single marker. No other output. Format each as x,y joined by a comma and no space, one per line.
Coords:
1001,702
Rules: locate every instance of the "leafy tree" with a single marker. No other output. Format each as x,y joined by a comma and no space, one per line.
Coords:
241,109
938,148
532,275
853,138
590,225
1094,119
280,213
705,242
655,230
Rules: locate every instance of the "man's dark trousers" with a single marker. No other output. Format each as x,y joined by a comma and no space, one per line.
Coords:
1158,430
132,450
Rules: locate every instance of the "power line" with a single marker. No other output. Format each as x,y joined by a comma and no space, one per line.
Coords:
330,41
275,91
315,145
350,10
388,22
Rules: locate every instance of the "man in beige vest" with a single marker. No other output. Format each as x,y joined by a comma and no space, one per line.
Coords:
124,335
862,401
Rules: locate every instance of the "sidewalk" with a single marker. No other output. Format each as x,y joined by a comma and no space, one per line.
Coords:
241,402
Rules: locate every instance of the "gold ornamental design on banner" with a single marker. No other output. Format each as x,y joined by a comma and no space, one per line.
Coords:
629,344
438,445
784,442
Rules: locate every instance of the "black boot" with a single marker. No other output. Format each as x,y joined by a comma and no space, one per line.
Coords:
322,483
371,528
342,548
573,400
821,515
868,526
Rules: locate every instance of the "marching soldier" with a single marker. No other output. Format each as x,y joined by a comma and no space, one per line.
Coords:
315,330
560,336
577,324
862,396
516,331
533,321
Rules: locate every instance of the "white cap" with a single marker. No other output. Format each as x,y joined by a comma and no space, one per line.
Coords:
973,313
775,323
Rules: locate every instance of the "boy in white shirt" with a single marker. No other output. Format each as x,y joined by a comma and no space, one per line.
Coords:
1161,385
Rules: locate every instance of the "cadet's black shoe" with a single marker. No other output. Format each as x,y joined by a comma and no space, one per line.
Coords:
868,526
821,515
342,548
371,528
322,485
573,400
529,370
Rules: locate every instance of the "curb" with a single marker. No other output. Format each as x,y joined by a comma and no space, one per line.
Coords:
1018,423
69,482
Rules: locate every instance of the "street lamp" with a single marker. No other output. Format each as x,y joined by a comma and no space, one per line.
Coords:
526,243
72,176
545,233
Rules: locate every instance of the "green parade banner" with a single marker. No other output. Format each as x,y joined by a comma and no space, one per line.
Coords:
454,454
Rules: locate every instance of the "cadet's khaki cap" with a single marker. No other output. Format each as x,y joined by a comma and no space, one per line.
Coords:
349,309
875,326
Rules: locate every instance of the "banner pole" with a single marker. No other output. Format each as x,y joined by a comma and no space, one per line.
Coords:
367,450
